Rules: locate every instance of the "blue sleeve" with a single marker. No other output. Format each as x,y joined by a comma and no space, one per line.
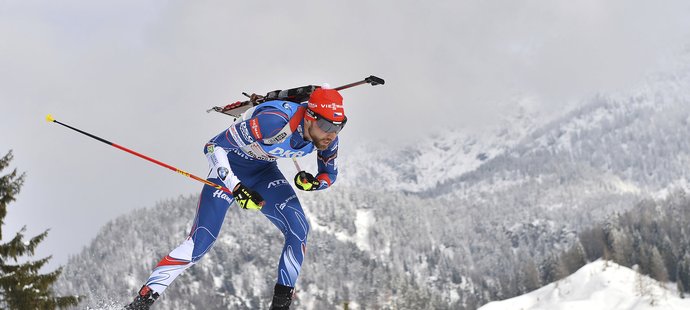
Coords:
265,122
328,169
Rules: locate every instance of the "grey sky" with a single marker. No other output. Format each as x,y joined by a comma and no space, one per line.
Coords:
142,73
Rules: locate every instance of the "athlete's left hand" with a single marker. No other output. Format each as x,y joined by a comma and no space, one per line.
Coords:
306,181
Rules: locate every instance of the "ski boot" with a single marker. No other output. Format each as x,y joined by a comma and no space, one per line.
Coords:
282,297
144,299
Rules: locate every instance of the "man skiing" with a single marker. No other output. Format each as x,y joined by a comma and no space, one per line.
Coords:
243,158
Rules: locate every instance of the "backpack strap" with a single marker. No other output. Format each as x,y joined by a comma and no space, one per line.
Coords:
288,129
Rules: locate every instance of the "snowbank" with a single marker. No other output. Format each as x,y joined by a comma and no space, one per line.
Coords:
598,285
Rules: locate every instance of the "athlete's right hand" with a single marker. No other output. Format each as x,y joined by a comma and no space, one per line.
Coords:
306,181
246,198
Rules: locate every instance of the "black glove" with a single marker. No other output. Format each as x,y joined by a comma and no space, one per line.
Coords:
246,198
306,181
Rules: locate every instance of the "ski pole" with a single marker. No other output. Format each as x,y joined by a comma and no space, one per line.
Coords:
50,119
294,160
302,174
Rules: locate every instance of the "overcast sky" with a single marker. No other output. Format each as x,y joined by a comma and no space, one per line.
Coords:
142,74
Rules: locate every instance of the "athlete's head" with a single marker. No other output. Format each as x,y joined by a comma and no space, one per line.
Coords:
325,117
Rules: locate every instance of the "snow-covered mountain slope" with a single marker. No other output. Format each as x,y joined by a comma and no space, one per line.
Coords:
613,150
638,137
600,285
597,159
425,162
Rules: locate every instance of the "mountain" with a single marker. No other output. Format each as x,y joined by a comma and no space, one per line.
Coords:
452,221
599,285
441,156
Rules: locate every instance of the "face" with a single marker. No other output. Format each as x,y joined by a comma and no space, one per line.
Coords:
320,138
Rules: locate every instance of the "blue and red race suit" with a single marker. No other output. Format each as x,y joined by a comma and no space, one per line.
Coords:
247,152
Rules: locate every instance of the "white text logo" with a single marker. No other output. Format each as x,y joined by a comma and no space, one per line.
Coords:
331,106
284,204
277,183
222,195
286,153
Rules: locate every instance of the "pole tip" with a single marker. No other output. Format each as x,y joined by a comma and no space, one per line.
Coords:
49,118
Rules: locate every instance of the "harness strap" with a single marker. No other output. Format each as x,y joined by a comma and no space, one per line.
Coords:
288,129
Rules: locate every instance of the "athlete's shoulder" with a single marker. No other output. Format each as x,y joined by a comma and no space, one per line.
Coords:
287,107
270,117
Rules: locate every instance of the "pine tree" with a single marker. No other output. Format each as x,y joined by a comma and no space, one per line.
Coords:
657,270
21,285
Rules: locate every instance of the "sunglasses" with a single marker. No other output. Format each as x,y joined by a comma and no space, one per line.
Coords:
328,125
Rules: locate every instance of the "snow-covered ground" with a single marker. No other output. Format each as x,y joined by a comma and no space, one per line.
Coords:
599,285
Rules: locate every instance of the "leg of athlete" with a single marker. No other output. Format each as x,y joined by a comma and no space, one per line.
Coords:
213,204
284,210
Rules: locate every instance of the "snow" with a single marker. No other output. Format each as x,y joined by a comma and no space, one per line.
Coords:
363,220
598,285
625,187
341,236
